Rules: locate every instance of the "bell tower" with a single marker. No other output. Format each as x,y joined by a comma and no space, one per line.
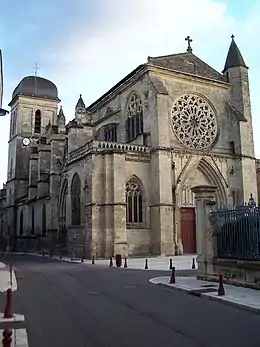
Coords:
34,105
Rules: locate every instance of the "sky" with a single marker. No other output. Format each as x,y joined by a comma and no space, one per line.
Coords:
87,46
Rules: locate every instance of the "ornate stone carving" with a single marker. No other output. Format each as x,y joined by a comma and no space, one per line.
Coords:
194,122
134,106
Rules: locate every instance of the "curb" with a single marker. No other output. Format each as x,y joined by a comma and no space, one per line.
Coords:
78,261
49,257
211,298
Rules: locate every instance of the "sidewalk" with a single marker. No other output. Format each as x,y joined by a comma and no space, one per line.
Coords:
181,262
19,333
6,279
244,298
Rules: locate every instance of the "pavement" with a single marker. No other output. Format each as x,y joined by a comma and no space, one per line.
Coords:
72,305
183,262
15,324
244,298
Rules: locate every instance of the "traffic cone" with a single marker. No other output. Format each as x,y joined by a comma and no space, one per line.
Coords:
170,267
221,289
125,263
93,259
111,262
146,264
193,264
172,279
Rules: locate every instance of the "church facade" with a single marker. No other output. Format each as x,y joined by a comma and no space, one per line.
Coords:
118,177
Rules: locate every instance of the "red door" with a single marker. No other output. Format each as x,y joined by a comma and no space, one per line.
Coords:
188,229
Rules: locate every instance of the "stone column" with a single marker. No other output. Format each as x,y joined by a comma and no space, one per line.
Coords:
205,201
120,239
33,173
97,187
44,154
161,207
57,148
109,202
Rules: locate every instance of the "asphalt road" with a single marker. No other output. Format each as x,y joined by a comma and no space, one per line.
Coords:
75,305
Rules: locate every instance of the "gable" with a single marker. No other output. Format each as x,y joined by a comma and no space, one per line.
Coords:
187,63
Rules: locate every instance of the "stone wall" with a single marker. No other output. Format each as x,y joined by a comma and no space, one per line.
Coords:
239,272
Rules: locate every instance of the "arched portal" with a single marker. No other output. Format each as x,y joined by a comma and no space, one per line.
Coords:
201,172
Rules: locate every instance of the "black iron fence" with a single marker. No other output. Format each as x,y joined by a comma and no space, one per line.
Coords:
238,232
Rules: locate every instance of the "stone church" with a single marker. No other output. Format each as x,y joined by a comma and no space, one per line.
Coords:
118,177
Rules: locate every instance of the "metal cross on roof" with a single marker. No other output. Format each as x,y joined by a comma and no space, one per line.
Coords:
36,68
189,49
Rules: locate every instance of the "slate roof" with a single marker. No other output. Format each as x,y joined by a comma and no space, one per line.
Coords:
36,86
187,63
80,103
234,56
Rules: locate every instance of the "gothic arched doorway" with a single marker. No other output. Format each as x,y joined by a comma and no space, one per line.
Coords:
201,173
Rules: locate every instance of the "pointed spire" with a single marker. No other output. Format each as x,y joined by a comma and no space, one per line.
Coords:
80,103
234,56
61,113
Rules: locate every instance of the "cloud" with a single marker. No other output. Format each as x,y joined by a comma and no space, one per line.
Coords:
126,32
108,39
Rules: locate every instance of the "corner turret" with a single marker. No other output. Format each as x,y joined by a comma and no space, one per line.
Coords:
234,57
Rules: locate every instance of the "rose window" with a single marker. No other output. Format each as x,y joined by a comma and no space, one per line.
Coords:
194,122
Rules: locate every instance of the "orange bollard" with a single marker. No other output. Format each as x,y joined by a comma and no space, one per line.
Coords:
221,290
125,263
7,338
172,279
8,306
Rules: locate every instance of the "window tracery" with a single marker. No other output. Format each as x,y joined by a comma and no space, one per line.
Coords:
194,122
134,121
134,202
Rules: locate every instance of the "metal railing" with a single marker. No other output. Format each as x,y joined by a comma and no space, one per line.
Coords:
238,232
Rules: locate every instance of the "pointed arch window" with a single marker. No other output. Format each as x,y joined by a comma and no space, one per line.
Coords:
134,121
43,219
37,122
75,200
134,201
21,224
